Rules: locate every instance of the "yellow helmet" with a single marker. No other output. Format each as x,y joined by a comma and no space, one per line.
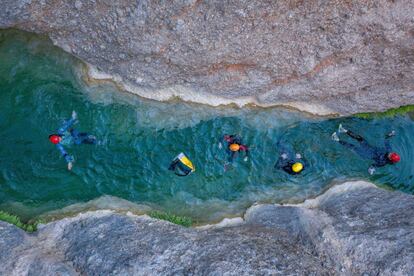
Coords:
234,147
297,167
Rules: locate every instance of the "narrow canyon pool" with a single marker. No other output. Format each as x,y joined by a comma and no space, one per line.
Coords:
40,85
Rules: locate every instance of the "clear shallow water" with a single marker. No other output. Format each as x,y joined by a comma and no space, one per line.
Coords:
138,138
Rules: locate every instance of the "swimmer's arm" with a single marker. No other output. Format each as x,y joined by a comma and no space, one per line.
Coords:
245,149
282,161
299,158
387,140
374,166
68,123
246,155
391,134
387,145
228,138
173,165
222,138
68,158
277,165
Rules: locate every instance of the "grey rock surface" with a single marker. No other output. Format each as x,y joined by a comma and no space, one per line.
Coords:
320,56
352,229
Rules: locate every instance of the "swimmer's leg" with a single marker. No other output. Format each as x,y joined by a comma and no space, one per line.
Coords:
335,137
355,136
85,138
341,129
349,146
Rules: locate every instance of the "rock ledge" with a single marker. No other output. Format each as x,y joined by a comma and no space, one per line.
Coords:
354,228
319,56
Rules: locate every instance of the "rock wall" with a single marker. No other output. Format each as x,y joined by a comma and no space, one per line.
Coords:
320,56
352,229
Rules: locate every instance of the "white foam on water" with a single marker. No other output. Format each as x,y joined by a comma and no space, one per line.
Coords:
170,113
226,222
105,202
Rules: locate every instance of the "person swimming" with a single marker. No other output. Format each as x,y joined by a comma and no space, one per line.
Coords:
235,146
181,165
380,155
66,135
291,164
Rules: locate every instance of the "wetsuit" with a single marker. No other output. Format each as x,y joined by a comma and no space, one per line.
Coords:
72,137
378,154
234,139
179,168
285,162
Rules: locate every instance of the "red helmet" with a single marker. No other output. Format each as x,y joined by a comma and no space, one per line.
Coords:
54,138
394,157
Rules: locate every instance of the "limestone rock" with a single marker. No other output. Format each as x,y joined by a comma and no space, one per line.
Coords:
352,229
321,56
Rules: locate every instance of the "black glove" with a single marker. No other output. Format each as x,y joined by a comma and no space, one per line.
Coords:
392,133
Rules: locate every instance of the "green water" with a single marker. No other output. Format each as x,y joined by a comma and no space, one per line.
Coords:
40,86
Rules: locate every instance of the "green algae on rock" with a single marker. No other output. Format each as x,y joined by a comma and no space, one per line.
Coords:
15,220
388,113
183,221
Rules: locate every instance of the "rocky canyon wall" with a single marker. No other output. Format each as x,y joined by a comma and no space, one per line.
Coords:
353,229
320,56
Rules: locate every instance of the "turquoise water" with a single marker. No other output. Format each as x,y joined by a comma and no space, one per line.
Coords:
40,86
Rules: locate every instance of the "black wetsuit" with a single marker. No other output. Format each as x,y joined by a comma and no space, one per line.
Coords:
234,139
378,154
287,163
82,137
179,168
72,137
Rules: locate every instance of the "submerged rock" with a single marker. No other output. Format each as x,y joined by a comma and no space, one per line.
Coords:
354,228
320,56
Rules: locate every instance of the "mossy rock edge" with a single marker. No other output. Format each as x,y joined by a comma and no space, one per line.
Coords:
389,113
180,220
15,220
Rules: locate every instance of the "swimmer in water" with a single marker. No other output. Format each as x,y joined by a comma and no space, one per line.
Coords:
292,165
289,161
66,135
380,156
181,165
234,147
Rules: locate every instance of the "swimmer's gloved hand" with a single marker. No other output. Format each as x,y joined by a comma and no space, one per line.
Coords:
341,129
284,156
371,170
392,133
74,115
69,159
335,137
